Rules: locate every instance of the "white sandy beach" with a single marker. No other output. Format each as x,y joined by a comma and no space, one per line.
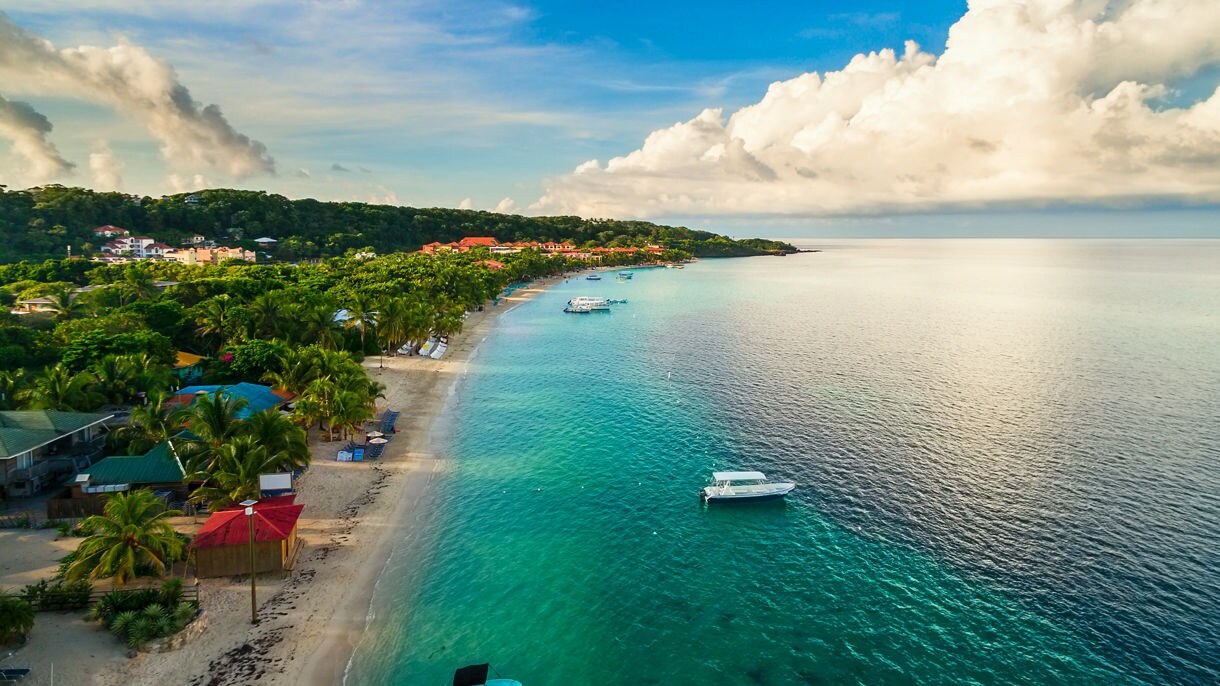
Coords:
310,622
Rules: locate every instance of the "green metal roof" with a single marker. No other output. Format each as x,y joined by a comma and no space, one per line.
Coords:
27,429
157,466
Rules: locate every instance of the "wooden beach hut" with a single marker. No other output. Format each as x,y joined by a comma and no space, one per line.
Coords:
222,546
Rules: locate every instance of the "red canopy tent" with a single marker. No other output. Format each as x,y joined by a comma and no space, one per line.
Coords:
222,546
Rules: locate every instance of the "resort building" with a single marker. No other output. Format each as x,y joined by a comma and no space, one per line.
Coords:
109,231
159,470
209,255
257,397
37,446
133,246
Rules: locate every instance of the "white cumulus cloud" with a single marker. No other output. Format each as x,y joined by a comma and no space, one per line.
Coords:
28,130
505,206
192,136
466,204
1032,101
105,167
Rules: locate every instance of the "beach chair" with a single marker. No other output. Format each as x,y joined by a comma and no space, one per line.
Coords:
343,456
358,455
375,450
387,421
11,675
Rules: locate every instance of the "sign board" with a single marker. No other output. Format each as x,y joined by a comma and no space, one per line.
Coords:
275,482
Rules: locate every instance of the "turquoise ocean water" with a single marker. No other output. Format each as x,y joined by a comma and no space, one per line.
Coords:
1007,452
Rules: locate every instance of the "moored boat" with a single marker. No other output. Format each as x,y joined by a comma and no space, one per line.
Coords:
591,302
594,277
744,486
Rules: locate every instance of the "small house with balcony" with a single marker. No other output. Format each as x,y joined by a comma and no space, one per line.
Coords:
38,447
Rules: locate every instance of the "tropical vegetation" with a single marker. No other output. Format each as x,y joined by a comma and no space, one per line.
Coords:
136,617
132,538
16,617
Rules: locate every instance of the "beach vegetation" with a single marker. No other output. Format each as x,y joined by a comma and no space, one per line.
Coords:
139,616
59,388
132,536
148,425
58,595
16,617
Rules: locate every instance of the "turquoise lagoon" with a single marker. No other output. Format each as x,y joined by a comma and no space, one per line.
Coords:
1005,475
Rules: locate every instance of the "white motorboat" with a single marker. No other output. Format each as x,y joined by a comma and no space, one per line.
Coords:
590,303
742,486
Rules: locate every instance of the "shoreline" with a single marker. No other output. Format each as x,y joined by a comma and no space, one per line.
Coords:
312,621
417,471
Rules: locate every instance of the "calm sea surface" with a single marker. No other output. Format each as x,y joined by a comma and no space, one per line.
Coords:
1008,458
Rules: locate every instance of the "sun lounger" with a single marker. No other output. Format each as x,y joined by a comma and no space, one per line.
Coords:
11,675
440,351
428,347
343,456
387,421
358,455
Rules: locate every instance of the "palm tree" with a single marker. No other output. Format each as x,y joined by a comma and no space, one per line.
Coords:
319,323
11,383
57,388
117,378
362,316
64,304
137,284
394,323
150,424
265,312
297,368
421,316
132,534
16,617
154,377
282,439
234,475
217,318
214,418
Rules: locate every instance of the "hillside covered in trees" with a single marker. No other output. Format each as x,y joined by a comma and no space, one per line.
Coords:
42,222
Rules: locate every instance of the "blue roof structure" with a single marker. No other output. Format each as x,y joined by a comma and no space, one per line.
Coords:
258,398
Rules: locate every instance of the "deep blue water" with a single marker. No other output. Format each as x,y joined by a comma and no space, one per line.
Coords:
1008,458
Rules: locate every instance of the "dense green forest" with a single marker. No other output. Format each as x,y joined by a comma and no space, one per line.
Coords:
39,223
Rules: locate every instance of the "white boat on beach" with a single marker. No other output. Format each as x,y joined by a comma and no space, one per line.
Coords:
729,487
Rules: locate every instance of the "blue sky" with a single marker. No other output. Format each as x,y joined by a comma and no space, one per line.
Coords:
496,104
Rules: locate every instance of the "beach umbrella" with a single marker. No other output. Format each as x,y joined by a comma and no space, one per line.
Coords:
379,441
374,434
